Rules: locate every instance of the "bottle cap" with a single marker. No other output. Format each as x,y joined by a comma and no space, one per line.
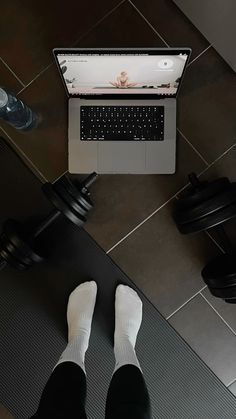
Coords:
3,98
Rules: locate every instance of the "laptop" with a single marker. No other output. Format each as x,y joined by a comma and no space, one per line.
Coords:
122,108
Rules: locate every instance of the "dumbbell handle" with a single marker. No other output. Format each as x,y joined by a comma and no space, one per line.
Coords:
42,226
224,239
46,222
84,185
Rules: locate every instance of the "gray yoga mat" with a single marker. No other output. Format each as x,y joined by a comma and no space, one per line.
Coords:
33,334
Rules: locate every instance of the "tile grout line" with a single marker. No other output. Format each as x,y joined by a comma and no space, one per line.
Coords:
161,37
218,158
172,197
205,170
200,174
75,42
192,146
214,241
99,21
59,176
14,74
186,302
218,314
139,225
165,203
25,156
35,78
231,382
199,55
149,24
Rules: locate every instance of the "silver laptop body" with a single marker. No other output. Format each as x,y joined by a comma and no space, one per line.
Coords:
152,79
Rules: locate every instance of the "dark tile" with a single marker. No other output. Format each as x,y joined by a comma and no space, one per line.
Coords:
209,337
164,264
232,388
207,105
172,25
8,80
4,413
123,28
225,166
123,201
45,146
29,31
227,311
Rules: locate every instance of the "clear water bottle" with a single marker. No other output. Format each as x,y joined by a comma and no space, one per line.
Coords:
15,112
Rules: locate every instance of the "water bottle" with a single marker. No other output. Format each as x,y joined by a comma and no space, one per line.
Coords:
15,112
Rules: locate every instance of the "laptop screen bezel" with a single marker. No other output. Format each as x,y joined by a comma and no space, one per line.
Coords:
110,51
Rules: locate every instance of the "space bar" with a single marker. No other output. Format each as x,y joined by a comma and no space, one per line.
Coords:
121,137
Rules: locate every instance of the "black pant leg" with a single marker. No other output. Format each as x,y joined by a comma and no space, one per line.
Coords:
64,394
128,396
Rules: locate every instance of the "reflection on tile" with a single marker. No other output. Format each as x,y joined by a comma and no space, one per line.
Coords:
123,201
30,32
164,264
204,331
172,25
207,105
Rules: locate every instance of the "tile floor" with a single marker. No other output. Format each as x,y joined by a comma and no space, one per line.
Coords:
132,220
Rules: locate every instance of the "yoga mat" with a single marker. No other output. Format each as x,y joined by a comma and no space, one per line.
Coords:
33,332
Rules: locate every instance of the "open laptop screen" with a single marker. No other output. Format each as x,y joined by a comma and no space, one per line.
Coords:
113,72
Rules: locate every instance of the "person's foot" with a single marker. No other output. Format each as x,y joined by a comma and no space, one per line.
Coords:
128,314
80,311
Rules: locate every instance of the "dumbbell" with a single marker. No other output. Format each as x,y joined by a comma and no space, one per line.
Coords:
18,244
206,206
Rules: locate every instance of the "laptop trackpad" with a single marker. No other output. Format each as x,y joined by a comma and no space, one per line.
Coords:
121,157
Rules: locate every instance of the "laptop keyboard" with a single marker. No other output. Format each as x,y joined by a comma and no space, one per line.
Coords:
139,123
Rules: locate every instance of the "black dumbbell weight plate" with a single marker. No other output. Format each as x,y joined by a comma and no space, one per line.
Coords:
210,206
16,253
82,199
231,301
15,234
12,261
68,198
210,221
220,272
224,293
222,282
190,197
62,206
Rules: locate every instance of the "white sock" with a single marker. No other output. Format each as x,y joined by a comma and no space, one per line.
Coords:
79,318
128,319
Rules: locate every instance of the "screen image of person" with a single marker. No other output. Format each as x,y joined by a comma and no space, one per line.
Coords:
108,74
122,81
